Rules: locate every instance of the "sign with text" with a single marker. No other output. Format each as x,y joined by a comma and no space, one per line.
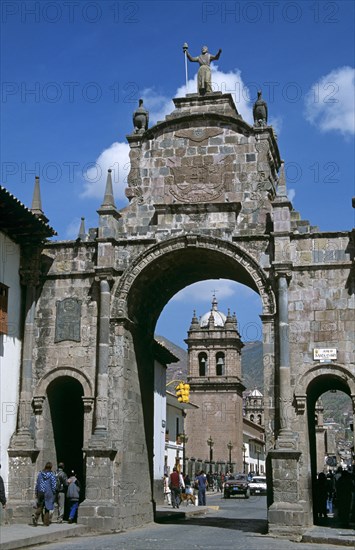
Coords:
324,354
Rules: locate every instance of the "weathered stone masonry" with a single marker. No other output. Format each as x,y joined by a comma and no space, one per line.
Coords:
207,200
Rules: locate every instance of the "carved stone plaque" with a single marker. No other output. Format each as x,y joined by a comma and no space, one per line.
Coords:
202,183
68,320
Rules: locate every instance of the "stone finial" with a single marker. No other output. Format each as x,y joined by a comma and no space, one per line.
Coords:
36,207
109,201
211,320
194,321
229,324
140,119
281,187
82,234
260,112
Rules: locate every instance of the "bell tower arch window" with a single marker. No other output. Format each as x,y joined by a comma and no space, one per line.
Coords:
202,364
220,358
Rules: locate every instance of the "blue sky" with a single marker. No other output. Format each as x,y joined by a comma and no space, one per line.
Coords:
72,74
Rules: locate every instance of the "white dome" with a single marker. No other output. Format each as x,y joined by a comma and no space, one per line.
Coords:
218,317
255,393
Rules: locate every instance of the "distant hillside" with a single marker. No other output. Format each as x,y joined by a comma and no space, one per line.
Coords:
175,371
336,404
252,366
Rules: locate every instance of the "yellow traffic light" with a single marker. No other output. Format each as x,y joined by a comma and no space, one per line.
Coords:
186,393
180,392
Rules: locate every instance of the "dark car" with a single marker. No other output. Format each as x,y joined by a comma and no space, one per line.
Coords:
258,486
237,484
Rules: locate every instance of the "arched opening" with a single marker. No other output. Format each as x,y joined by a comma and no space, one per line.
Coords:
202,363
154,279
67,416
330,443
220,363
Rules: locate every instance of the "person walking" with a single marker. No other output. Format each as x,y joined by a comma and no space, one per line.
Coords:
46,486
62,485
201,482
167,491
330,492
175,488
2,499
344,494
73,496
321,495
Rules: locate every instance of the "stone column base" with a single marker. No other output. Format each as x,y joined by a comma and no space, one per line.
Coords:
107,516
99,516
21,488
286,519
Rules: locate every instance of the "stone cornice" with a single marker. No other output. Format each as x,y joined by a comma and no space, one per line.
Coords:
320,266
320,234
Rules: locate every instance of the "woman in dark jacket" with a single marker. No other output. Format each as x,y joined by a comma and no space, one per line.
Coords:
46,487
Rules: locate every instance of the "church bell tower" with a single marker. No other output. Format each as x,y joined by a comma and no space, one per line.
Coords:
214,375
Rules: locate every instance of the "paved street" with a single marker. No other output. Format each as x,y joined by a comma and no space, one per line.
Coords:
238,524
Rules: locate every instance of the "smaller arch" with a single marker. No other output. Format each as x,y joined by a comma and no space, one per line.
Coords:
49,377
342,376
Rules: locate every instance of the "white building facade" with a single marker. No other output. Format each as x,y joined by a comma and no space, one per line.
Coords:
10,342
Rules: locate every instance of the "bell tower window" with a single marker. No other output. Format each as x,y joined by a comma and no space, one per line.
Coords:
202,364
220,363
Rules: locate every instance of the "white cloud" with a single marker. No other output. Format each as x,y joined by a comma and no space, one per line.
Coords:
276,122
291,193
203,291
330,102
115,157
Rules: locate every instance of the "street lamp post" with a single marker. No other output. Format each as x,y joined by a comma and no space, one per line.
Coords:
210,443
230,447
258,455
244,463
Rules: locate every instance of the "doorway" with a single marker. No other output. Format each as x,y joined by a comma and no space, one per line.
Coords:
67,414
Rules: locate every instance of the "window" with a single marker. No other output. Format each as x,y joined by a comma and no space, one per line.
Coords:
4,296
202,364
220,363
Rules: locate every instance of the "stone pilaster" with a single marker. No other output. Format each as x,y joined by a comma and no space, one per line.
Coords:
286,517
100,415
22,451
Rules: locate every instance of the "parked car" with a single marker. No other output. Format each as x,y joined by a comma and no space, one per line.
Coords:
237,484
258,486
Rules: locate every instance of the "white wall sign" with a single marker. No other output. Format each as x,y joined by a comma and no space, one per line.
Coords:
324,354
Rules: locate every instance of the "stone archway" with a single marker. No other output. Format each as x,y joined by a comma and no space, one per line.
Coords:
207,200
155,276
63,406
158,262
311,385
